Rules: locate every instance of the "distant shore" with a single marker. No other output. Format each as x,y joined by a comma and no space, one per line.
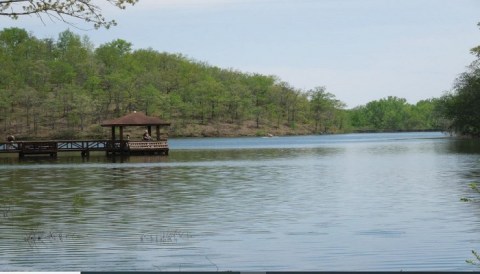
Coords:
246,129
250,130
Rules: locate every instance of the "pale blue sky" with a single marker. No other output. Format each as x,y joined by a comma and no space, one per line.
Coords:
360,50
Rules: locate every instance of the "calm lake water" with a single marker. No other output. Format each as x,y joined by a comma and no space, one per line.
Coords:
340,202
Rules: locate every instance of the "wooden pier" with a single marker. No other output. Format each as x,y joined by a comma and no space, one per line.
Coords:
111,148
122,146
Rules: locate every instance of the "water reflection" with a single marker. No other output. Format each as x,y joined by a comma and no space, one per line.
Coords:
464,146
388,204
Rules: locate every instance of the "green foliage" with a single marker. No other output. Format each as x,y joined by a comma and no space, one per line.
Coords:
394,114
474,187
64,88
60,88
461,107
325,110
476,260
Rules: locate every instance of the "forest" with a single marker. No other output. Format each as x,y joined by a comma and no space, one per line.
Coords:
64,88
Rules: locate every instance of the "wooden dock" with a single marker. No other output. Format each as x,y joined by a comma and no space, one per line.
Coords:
111,148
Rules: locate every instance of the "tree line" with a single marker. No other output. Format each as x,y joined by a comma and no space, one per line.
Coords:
65,87
461,106
396,114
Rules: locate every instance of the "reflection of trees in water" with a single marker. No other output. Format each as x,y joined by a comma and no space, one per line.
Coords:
165,237
471,147
35,237
465,146
7,207
250,154
476,190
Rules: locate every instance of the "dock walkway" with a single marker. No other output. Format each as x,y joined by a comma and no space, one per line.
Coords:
52,147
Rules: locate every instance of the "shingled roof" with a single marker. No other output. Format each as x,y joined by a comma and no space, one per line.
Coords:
135,119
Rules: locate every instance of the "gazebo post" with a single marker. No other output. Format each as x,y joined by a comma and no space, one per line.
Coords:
158,132
149,130
113,133
121,139
112,142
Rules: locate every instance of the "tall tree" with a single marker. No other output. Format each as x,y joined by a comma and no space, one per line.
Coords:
259,85
324,107
461,106
115,59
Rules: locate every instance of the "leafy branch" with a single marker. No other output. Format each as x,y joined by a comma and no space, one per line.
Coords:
476,260
60,10
473,186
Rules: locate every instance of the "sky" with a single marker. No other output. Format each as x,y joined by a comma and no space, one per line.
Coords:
359,50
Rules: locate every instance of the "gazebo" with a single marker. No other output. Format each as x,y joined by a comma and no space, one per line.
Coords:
137,119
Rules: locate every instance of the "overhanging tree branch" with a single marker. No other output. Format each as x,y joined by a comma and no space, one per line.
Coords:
62,9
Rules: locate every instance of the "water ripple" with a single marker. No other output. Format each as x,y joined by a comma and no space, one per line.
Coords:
364,203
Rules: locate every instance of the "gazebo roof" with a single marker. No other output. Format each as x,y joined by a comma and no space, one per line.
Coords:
135,119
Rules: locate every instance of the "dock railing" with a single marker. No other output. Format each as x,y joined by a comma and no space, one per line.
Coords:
147,145
84,146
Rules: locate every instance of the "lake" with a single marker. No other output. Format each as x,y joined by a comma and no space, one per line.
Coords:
353,202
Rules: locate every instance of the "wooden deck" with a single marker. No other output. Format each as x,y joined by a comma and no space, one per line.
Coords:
147,147
111,148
